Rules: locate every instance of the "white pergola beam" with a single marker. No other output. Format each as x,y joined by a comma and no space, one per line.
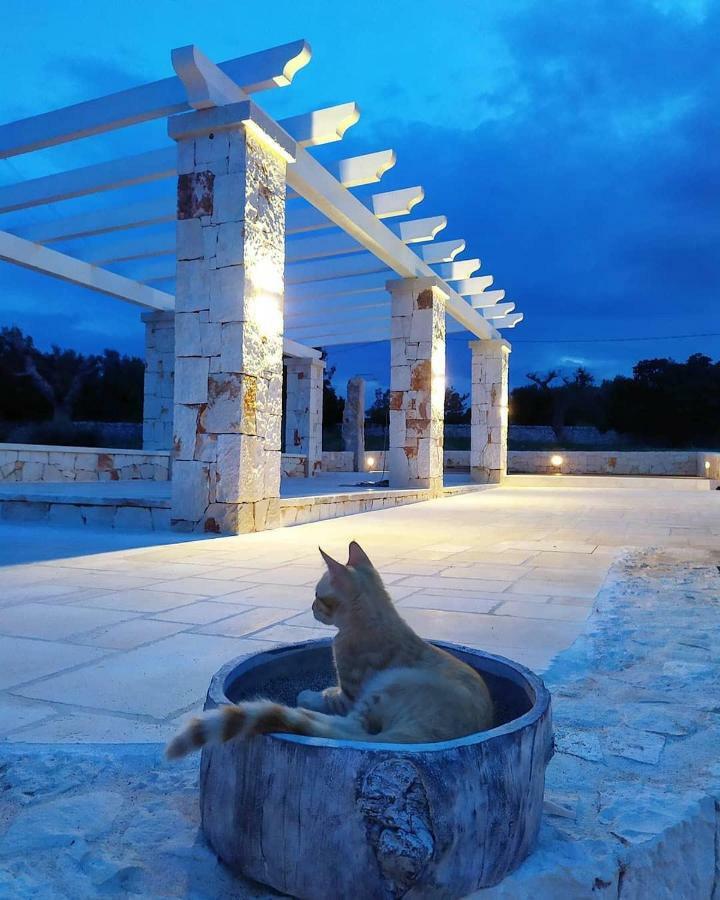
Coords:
267,69
320,189
509,321
360,170
333,268
41,259
300,218
396,203
486,299
498,311
310,129
457,270
294,348
468,287
416,231
337,287
443,252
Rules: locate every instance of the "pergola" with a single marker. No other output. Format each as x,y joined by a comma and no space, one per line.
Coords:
260,255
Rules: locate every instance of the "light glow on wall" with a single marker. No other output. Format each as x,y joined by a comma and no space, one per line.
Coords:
556,460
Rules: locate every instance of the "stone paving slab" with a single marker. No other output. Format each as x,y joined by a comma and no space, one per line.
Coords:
514,570
633,788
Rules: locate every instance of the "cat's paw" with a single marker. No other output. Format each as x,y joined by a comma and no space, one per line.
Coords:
313,700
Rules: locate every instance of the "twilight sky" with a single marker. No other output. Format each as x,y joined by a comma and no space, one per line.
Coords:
574,144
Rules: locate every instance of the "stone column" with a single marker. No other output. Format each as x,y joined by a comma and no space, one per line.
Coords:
304,410
159,378
489,411
417,384
229,319
353,424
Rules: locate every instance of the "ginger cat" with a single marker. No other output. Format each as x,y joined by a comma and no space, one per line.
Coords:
393,687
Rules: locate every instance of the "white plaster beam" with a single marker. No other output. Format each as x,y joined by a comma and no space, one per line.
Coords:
509,321
396,203
498,311
457,270
359,170
486,299
308,129
337,287
41,259
334,267
444,252
267,69
415,231
296,308
468,287
323,191
296,349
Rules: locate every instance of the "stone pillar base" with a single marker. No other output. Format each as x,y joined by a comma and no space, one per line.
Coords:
489,411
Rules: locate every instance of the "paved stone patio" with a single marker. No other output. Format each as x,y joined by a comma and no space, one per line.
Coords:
111,637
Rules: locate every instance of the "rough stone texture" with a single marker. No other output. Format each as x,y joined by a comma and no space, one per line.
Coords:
353,423
489,411
32,463
304,410
106,821
159,380
417,384
613,462
229,323
635,705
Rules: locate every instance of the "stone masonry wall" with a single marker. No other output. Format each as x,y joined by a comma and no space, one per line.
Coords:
304,409
417,384
159,380
229,328
604,462
33,463
353,424
489,410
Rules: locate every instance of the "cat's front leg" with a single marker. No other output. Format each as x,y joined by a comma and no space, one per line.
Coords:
331,701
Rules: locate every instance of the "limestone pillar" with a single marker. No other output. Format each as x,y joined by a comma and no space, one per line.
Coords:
417,384
304,410
489,411
353,424
229,319
159,378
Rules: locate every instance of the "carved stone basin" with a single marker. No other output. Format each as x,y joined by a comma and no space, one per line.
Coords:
318,818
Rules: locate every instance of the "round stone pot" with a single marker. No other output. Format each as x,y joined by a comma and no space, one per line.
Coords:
317,818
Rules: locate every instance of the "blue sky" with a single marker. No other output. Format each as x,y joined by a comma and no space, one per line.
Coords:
572,143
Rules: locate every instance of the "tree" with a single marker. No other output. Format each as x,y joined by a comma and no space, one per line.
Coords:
379,412
57,376
575,400
457,410
333,406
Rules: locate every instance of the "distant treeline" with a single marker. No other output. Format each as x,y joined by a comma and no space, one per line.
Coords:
663,403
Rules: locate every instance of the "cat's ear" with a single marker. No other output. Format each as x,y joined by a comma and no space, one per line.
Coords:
357,556
339,574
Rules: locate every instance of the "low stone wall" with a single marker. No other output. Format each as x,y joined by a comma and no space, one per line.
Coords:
709,465
603,462
342,460
31,463
294,465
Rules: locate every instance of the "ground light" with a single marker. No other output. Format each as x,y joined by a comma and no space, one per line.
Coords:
556,460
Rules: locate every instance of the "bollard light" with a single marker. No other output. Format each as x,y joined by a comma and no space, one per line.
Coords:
707,464
556,460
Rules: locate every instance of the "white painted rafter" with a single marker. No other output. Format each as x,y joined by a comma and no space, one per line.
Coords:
498,311
509,321
442,252
468,287
310,129
41,259
397,203
486,298
457,270
255,72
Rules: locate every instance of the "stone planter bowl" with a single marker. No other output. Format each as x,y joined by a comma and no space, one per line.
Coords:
317,818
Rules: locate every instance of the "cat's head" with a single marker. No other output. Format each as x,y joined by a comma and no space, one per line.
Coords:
343,587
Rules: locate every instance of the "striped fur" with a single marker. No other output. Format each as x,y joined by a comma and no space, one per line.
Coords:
248,719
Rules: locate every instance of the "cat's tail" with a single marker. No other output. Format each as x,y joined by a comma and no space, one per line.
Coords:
258,717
